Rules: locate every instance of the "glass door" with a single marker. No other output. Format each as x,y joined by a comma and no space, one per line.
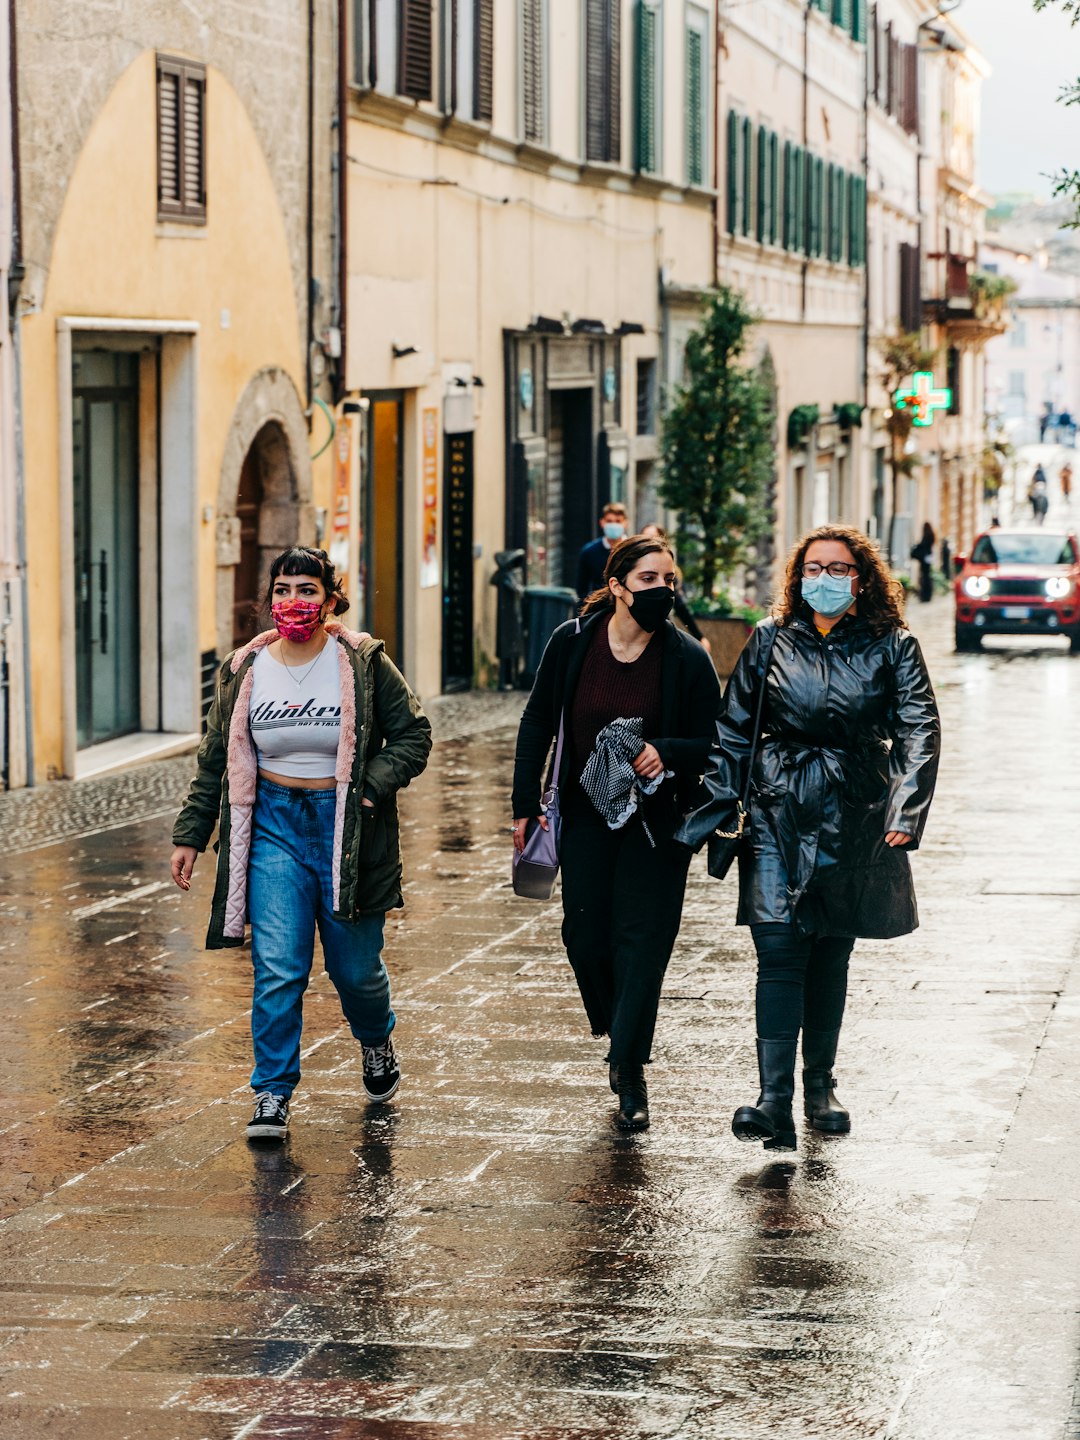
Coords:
106,498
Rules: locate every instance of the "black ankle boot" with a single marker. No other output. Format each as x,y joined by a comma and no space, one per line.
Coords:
633,1097
771,1119
820,1104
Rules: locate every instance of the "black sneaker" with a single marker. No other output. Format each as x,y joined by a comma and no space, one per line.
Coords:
381,1074
271,1118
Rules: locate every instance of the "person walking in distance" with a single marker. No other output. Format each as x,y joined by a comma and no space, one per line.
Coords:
842,781
311,734
594,555
1065,480
621,676
923,552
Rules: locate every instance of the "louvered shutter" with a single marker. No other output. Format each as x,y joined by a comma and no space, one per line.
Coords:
169,83
192,139
910,119
595,81
858,21
532,70
614,81
774,187
761,229
645,86
695,96
788,232
746,173
732,172
414,49
483,59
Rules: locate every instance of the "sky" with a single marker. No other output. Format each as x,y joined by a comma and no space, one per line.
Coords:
1026,134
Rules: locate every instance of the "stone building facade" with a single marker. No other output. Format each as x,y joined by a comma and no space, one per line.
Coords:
175,322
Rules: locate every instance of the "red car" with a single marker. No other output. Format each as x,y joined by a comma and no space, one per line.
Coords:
1018,582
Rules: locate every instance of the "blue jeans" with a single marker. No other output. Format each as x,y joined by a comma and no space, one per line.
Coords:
290,891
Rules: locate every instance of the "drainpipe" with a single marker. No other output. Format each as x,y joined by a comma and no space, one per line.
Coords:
17,270
341,257
718,35
309,303
806,149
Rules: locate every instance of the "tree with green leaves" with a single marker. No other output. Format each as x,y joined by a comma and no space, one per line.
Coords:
717,452
1067,182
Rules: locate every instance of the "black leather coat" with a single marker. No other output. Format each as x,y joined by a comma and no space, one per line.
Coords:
849,752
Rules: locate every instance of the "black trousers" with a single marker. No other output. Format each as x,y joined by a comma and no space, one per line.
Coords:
622,907
802,982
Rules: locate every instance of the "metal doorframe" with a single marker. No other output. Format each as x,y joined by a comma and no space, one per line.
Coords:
66,326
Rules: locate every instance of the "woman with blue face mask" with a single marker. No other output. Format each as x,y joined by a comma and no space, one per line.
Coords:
841,785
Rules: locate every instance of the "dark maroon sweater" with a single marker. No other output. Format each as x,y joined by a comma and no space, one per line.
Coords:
609,689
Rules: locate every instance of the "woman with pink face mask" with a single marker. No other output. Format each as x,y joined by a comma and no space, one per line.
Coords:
311,734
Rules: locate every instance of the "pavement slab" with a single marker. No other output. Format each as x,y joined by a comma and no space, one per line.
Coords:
487,1258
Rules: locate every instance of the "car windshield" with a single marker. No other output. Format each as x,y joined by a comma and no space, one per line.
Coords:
1026,549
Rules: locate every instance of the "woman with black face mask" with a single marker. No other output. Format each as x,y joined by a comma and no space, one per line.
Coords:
638,701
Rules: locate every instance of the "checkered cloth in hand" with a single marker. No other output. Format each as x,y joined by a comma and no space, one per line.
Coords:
609,779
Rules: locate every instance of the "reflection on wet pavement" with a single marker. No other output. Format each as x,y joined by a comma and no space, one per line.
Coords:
487,1259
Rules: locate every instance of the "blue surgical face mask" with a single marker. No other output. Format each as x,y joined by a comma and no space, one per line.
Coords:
828,596
614,531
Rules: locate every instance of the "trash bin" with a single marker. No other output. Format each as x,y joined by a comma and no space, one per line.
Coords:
509,634
546,606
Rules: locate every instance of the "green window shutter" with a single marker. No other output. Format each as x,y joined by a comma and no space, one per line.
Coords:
762,228
645,83
817,206
746,169
695,96
858,21
732,172
787,233
799,202
774,188
841,13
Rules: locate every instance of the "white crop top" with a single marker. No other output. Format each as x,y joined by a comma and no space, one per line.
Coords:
296,727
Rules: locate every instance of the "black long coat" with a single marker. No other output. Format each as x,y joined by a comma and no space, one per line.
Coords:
849,752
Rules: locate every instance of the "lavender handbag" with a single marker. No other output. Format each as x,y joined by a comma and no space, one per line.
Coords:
536,868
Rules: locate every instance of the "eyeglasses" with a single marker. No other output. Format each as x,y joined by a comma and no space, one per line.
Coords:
838,570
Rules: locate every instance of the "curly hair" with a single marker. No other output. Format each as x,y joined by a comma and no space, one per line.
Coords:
624,556
881,598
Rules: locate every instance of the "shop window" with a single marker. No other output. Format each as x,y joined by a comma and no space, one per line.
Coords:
646,397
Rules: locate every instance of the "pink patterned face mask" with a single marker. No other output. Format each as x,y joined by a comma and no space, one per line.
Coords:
296,620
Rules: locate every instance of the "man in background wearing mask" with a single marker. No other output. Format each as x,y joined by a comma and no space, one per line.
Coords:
594,555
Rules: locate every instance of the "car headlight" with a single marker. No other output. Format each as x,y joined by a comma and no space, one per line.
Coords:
976,586
1058,586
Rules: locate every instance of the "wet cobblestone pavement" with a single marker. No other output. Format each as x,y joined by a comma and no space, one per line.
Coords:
486,1258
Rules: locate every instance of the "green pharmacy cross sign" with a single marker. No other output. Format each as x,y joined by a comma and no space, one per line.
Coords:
922,399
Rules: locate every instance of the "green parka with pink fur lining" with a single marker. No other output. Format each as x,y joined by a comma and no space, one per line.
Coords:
385,742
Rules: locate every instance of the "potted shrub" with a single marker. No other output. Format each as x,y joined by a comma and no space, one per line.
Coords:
717,458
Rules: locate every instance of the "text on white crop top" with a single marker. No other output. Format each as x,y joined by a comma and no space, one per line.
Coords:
296,726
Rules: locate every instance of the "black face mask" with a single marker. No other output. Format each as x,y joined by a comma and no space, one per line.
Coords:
652,607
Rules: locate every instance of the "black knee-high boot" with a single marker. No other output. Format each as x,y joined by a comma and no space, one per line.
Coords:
771,1119
820,1104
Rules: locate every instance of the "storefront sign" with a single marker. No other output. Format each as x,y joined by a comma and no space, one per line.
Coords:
458,591
922,399
429,517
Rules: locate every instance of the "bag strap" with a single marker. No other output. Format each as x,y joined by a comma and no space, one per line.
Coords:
553,773
759,710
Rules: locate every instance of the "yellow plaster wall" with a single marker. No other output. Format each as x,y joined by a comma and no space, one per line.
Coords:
112,258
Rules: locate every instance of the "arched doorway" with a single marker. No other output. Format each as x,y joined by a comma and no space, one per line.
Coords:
267,513
265,501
